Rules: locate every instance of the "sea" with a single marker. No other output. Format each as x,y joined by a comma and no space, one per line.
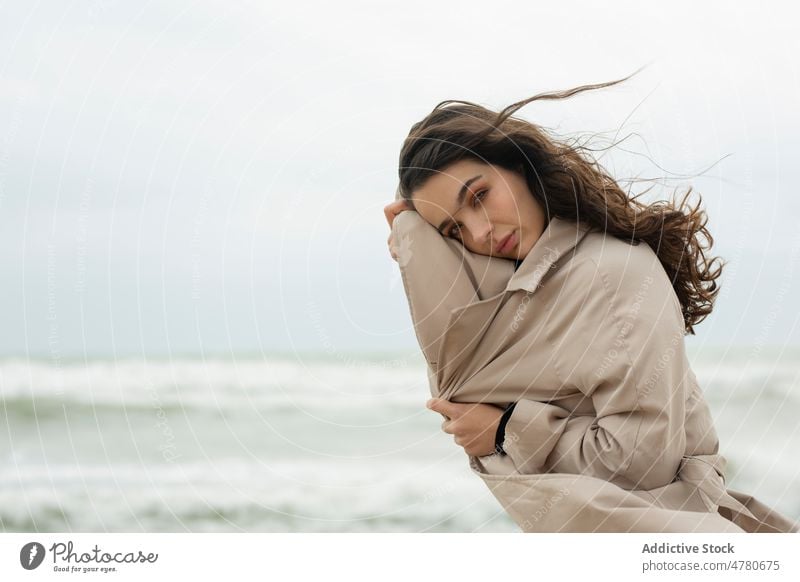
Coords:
306,443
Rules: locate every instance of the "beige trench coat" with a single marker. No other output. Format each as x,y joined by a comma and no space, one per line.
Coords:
611,432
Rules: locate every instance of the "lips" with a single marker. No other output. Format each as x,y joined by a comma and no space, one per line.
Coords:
507,243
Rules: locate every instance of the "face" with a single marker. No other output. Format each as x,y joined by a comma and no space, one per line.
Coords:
480,205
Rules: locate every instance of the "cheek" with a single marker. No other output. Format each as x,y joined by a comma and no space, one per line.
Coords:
501,209
528,215
511,213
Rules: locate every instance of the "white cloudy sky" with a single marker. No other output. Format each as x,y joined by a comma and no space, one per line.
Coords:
185,177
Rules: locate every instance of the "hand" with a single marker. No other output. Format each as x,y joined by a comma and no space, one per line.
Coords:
390,211
473,425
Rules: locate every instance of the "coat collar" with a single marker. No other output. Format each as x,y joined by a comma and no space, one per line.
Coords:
559,238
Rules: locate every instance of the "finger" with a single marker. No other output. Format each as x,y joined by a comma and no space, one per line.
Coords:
393,209
445,407
388,214
399,206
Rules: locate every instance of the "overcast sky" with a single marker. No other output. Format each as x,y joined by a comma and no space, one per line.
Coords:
207,177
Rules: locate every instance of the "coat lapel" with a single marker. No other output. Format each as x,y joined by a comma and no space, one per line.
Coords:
559,238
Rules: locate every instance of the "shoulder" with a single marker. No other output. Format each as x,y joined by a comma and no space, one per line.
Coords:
620,263
617,307
617,258
630,276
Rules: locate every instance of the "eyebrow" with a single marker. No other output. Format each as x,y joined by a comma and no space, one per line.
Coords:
459,201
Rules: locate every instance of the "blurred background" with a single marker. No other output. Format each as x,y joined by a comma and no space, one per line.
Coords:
201,328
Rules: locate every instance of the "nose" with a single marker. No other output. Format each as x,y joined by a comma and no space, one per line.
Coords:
480,229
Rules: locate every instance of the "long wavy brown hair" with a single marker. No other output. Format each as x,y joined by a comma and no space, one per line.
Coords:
569,183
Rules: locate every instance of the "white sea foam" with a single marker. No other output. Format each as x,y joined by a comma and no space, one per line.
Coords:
273,444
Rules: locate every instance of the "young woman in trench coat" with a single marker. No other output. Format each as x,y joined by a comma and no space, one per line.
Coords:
551,309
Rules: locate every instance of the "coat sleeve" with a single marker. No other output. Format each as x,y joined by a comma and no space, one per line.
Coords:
625,342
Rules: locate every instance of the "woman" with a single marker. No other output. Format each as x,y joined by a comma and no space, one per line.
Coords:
553,336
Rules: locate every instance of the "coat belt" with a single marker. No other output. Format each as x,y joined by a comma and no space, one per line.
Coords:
707,473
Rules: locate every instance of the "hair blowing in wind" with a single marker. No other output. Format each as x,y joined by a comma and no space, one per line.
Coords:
570,184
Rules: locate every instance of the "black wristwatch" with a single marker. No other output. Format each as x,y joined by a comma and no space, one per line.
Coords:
500,435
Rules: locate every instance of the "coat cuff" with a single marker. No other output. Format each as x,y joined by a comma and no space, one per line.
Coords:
500,435
531,434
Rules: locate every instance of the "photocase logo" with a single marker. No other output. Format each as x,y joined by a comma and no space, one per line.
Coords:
66,559
31,555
